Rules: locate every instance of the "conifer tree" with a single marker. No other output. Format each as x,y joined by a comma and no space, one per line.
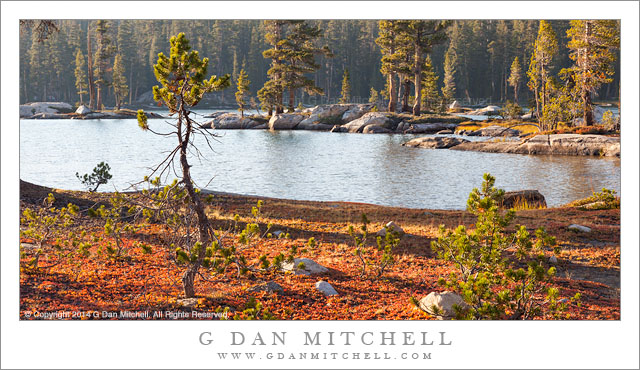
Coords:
104,52
449,88
300,52
545,48
127,48
275,36
515,78
374,96
92,87
182,86
81,75
391,56
421,36
243,91
429,86
120,88
345,93
593,44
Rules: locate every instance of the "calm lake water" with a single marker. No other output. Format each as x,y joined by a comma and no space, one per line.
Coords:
304,165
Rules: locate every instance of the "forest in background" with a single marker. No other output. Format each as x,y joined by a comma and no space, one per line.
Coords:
485,50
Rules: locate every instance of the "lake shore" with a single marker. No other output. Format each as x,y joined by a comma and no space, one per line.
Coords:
589,261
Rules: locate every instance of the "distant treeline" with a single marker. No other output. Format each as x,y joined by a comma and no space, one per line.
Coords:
485,50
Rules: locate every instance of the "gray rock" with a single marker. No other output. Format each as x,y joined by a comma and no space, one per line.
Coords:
428,128
581,228
311,267
316,126
356,112
326,288
442,304
390,226
561,144
445,132
269,287
553,259
83,109
455,105
285,121
491,110
435,142
30,109
532,197
232,121
372,129
496,131
369,119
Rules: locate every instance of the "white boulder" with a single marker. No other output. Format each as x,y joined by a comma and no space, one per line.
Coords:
369,119
326,288
83,109
285,121
575,227
390,226
442,304
311,267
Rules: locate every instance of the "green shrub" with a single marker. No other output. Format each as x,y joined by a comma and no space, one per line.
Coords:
494,284
378,258
605,199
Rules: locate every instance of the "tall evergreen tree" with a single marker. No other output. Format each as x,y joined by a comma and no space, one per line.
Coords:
421,37
276,37
391,56
243,91
429,87
449,88
545,48
81,75
345,93
104,52
120,87
593,48
127,49
515,78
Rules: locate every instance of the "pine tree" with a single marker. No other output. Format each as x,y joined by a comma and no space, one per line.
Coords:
345,93
81,75
391,56
421,37
429,87
127,49
545,48
374,96
449,88
243,91
299,51
515,78
104,52
120,88
593,44
92,86
276,37
183,85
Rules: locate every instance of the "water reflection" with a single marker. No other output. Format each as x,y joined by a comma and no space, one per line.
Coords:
305,165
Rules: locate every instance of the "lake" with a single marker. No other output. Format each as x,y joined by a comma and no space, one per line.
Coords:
304,165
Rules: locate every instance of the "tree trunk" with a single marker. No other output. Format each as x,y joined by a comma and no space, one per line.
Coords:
405,94
292,96
392,95
92,92
188,278
588,113
130,82
417,83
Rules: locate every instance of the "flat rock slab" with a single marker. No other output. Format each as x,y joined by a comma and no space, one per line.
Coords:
533,198
558,144
311,267
435,142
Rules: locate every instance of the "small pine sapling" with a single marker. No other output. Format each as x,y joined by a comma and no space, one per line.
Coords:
99,176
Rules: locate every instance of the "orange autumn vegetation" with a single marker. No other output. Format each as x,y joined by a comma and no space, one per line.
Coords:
150,280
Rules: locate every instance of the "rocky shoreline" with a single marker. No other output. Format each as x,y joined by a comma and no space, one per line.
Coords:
57,110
